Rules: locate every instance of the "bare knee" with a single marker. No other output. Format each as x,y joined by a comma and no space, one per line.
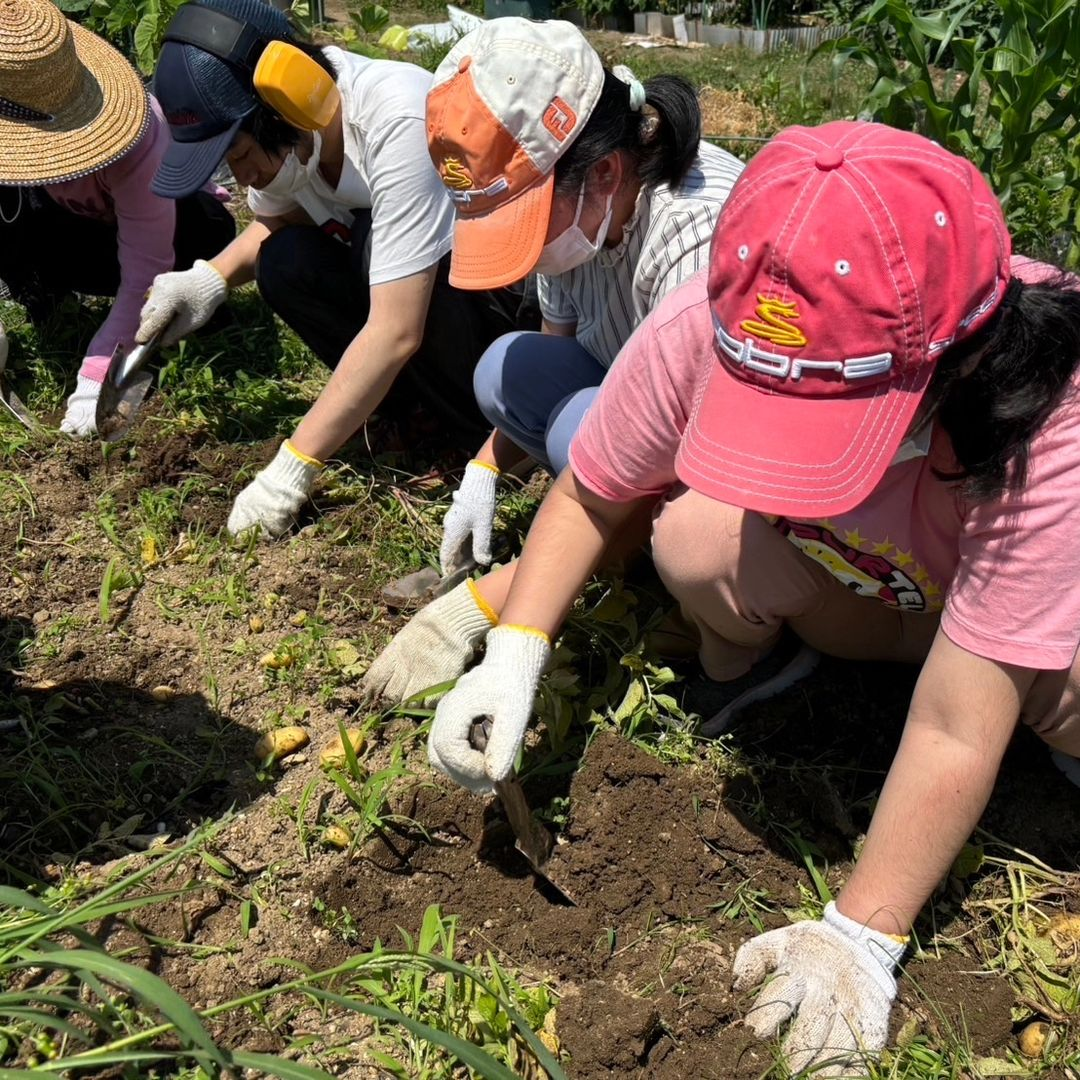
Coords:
1052,709
695,541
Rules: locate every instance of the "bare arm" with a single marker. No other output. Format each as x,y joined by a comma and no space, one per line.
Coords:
571,531
236,263
962,715
392,333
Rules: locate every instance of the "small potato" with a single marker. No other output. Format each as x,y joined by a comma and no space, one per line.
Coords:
1033,1039
256,624
163,693
332,756
1066,927
336,836
280,743
299,618
273,661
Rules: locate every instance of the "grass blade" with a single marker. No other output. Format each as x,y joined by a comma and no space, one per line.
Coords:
151,989
268,1065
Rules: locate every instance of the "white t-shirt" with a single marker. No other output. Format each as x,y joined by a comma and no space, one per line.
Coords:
387,169
664,243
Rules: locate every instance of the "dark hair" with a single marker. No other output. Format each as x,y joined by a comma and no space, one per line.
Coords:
661,155
274,134
1030,351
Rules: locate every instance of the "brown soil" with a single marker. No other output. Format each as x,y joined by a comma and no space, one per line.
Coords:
648,851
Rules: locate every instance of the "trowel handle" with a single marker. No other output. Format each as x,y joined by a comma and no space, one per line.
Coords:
479,732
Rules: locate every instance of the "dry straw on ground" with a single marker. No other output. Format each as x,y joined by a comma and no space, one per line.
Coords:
729,112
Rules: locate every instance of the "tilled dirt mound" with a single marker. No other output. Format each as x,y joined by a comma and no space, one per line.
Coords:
642,961
652,854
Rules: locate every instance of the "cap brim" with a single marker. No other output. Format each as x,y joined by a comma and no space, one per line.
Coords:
187,166
498,248
792,455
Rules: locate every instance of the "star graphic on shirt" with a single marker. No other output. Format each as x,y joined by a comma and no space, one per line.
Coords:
932,591
903,558
854,538
921,576
883,548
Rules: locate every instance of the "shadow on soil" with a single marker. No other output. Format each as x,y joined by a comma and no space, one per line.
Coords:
94,769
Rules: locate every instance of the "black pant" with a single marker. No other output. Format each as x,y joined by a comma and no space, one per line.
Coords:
319,286
48,251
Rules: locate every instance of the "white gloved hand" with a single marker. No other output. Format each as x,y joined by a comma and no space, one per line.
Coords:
502,688
434,647
472,514
182,300
271,501
838,975
80,418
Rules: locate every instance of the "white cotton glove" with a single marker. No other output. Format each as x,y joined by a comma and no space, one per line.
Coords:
838,975
503,689
183,301
271,501
472,515
434,647
80,418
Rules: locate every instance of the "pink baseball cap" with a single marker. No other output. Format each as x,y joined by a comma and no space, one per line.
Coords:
847,258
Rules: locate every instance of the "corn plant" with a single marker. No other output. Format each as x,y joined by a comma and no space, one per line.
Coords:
1003,92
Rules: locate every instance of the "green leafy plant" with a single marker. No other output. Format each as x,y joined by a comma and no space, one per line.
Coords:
1003,92
134,26
115,579
370,18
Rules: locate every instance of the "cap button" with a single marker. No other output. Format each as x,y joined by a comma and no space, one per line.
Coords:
829,158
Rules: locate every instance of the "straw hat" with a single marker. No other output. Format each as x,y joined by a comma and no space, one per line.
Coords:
69,102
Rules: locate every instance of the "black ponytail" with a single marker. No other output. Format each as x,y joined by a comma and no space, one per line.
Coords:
662,138
1029,354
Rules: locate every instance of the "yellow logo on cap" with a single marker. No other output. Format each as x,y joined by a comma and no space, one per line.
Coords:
772,313
455,175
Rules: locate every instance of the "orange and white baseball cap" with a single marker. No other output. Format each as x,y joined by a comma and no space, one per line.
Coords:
506,103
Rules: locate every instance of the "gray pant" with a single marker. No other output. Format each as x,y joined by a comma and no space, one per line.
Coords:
536,388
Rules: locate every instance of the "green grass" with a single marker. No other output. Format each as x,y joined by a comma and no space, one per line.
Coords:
94,772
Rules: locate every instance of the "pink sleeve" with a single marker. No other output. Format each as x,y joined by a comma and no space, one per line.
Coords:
1014,597
625,447
145,224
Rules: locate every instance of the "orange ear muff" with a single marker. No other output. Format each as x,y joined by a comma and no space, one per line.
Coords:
295,86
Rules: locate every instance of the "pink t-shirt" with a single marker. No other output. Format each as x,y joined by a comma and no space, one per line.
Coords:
145,223
1002,573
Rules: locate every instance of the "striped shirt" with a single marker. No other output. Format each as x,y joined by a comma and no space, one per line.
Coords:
664,243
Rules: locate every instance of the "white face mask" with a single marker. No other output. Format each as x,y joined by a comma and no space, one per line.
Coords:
572,247
294,175
915,447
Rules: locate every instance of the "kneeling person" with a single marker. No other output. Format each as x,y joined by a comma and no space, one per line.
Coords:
352,232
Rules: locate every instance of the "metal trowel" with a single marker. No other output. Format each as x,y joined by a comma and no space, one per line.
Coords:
127,382
8,398
423,586
532,839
